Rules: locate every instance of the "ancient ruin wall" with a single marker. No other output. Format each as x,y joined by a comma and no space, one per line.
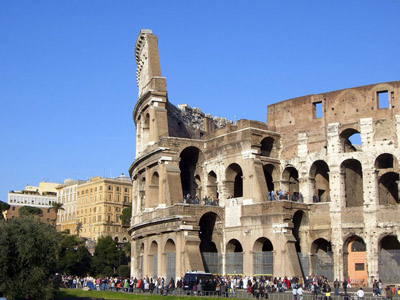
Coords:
346,107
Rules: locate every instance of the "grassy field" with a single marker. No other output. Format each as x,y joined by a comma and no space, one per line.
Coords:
73,293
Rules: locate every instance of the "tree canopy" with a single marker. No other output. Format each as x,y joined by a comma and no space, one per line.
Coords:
3,207
30,211
74,257
107,257
28,258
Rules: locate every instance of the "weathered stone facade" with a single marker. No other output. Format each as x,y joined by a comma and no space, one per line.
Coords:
339,217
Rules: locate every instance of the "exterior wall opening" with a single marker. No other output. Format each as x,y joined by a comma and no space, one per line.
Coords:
388,177
318,110
290,182
153,260
355,260
267,145
268,171
170,259
353,182
383,99
154,189
234,257
319,178
350,140
234,180
322,258
263,257
188,164
212,187
389,259
210,230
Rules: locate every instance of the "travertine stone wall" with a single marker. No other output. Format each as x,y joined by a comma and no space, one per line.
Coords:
348,192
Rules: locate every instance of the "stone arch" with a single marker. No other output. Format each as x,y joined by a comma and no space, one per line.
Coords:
322,258
263,257
234,180
319,178
153,259
210,234
300,222
290,181
234,257
116,239
189,165
351,172
170,259
355,259
386,165
270,173
141,260
212,185
346,136
154,190
389,259
142,193
268,147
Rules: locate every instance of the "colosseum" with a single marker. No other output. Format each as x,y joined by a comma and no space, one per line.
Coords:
292,196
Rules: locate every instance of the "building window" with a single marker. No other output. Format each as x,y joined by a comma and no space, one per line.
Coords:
359,267
318,113
109,187
383,99
117,188
126,190
101,188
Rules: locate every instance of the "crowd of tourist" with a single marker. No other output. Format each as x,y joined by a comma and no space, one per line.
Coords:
281,195
257,286
207,200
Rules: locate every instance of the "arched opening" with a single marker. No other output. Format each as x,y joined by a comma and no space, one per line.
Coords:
322,258
145,131
350,140
234,180
209,234
267,145
319,178
268,174
198,186
189,161
299,231
234,257
116,239
290,183
153,259
388,178
170,262
154,190
212,188
263,257
355,260
389,259
141,260
142,193
353,182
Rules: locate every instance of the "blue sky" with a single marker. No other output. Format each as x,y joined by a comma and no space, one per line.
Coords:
67,70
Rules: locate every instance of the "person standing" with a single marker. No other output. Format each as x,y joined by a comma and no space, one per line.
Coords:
294,292
300,293
336,285
344,284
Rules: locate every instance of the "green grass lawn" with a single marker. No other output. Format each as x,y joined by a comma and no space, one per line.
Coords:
73,293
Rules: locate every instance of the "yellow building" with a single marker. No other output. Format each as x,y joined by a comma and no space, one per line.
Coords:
67,195
99,206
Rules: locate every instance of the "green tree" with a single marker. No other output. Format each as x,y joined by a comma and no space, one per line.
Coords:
56,206
28,258
30,211
126,216
74,257
106,257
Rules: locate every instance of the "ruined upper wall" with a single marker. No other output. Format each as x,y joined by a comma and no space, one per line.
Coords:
148,62
346,107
